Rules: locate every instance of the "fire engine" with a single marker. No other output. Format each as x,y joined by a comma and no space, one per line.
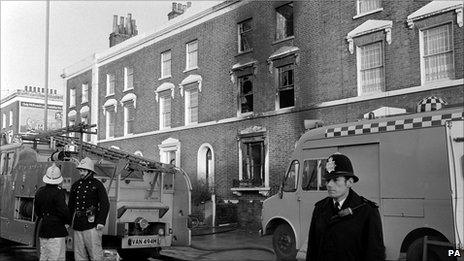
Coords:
149,200
411,165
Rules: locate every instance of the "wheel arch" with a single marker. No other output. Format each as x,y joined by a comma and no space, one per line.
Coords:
275,222
418,233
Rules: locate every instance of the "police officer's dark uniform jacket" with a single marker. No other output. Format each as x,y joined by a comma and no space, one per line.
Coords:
50,207
342,235
356,237
88,203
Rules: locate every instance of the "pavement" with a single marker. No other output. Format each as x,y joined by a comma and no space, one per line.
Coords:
227,243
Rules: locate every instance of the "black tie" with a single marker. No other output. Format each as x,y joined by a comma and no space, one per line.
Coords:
337,205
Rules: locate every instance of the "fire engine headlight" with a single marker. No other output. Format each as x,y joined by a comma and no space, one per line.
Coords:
143,223
161,231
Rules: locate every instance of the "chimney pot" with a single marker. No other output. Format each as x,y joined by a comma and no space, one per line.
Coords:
189,4
174,6
121,25
115,23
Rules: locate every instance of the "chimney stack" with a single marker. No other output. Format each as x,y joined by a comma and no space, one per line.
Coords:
122,31
178,9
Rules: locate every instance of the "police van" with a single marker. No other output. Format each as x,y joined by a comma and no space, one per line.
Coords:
411,165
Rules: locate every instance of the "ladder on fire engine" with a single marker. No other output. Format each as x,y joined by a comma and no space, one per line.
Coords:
134,162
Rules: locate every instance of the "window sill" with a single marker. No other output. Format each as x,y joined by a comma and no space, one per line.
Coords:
244,52
164,77
190,69
368,13
286,109
261,190
191,123
109,95
126,90
84,102
245,115
283,40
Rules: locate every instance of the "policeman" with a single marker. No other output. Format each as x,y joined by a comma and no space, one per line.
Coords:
89,206
53,215
344,225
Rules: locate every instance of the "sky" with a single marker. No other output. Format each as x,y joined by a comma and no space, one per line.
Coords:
77,30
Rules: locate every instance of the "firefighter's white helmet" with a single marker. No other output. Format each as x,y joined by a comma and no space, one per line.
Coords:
86,163
53,175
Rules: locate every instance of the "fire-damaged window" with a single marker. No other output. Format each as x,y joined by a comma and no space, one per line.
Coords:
284,21
246,93
245,36
286,88
253,155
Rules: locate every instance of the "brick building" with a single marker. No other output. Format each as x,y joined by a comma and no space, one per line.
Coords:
23,111
224,92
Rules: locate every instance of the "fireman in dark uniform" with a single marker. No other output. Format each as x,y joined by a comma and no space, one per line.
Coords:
50,207
344,226
89,206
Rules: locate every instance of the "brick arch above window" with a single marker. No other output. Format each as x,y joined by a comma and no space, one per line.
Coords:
193,78
165,87
368,27
129,97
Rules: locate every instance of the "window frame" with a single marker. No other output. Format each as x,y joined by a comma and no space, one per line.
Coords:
3,120
127,107
421,51
280,70
163,61
128,72
359,69
295,163
188,52
110,84
11,118
279,36
243,155
110,115
320,181
240,36
188,100
85,94
358,7
72,97
162,112
241,95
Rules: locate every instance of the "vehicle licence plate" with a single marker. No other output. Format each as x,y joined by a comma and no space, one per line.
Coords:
143,241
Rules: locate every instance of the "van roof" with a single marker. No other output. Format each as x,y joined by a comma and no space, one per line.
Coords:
403,122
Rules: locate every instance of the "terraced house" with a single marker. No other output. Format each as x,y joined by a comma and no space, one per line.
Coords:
224,92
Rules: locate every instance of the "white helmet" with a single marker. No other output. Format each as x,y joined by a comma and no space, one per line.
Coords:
86,163
53,175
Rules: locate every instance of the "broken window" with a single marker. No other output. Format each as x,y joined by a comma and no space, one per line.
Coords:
244,36
246,93
253,160
284,21
286,86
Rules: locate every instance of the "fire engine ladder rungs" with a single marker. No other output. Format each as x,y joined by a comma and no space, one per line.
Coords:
135,162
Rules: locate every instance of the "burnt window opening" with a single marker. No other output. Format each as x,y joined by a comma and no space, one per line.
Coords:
286,87
253,161
284,21
245,42
246,93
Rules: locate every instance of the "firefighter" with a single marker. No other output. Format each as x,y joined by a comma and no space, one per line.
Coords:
89,206
54,218
344,225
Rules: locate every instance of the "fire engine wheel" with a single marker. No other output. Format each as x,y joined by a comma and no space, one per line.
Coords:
283,242
415,252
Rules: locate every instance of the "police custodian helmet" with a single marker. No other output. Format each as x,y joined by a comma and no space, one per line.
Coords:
339,165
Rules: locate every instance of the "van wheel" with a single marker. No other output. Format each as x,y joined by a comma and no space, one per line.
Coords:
415,252
283,242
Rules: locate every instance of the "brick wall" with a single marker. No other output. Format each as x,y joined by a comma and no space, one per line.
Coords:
76,82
